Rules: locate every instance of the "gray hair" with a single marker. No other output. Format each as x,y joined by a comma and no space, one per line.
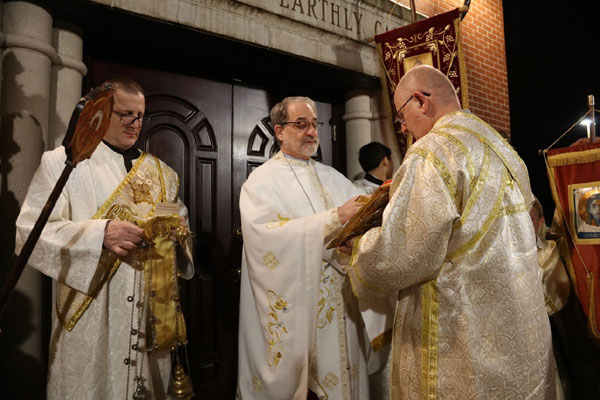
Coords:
279,112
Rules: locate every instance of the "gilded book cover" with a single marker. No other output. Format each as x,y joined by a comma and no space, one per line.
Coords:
369,215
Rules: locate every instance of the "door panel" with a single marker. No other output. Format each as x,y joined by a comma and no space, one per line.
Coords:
213,135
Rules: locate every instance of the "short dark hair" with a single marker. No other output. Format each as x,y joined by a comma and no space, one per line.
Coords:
370,155
124,83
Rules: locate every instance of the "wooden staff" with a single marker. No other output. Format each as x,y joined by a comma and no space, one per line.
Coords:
89,122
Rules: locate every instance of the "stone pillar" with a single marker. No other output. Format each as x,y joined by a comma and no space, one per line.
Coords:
358,129
383,128
26,63
67,73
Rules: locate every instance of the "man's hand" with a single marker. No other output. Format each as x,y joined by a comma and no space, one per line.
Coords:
122,237
348,209
347,246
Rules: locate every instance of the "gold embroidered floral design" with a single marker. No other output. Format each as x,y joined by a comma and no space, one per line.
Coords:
281,222
276,328
257,384
327,301
271,262
330,380
141,192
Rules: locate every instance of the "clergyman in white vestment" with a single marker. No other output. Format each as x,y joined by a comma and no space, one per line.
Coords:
300,327
458,249
99,334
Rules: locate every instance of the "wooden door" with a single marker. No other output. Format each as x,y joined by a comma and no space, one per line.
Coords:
213,135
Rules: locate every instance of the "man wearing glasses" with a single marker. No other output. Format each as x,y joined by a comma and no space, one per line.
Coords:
458,249
110,269
300,328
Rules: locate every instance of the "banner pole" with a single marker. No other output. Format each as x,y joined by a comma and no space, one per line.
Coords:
413,11
592,118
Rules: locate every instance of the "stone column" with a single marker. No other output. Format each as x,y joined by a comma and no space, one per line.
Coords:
67,73
383,128
26,63
358,129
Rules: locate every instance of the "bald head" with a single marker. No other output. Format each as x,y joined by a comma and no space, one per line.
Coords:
433,94
430,80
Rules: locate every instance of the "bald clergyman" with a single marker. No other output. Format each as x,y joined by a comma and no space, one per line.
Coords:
458,248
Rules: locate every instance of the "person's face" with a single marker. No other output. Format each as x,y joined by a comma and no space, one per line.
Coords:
123,135
299,136
389,170
412,112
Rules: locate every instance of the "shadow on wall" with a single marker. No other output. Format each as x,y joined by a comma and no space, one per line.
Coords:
21,375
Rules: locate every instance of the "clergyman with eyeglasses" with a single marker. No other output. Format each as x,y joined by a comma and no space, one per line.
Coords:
109,246
300,328
458,249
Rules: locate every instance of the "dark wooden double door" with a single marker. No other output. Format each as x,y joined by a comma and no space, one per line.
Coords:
213,134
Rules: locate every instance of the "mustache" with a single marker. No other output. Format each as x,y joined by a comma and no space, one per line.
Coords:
310,140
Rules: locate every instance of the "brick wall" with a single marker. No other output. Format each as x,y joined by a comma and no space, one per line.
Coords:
485,56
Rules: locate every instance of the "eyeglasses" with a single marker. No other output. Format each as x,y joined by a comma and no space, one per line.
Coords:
129,119
400,115
303,124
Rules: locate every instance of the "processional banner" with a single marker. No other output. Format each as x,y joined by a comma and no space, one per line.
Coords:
433,41
574,174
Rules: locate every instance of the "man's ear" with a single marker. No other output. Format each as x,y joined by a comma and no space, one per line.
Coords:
385,161
278,132
423,101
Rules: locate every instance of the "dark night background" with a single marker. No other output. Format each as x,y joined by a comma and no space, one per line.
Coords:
551,50
552,60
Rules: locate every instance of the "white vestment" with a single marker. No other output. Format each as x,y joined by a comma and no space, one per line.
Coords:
88,362
365,186
300,327
458,248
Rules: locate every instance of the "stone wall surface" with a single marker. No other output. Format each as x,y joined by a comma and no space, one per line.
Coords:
336,32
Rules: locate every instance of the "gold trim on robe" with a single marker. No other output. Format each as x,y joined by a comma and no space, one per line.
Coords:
134,200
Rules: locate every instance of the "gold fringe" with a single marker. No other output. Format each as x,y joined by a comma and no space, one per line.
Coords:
159,226
571,158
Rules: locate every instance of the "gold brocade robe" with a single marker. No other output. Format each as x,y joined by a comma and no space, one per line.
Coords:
458,247
87,362
557,285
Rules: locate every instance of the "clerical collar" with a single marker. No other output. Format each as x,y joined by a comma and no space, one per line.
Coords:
295,159
129,154
372,179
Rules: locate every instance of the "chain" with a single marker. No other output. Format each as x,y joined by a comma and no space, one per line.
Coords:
302,186
137,298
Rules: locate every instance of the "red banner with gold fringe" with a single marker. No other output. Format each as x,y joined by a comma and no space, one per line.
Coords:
574,174
433,41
